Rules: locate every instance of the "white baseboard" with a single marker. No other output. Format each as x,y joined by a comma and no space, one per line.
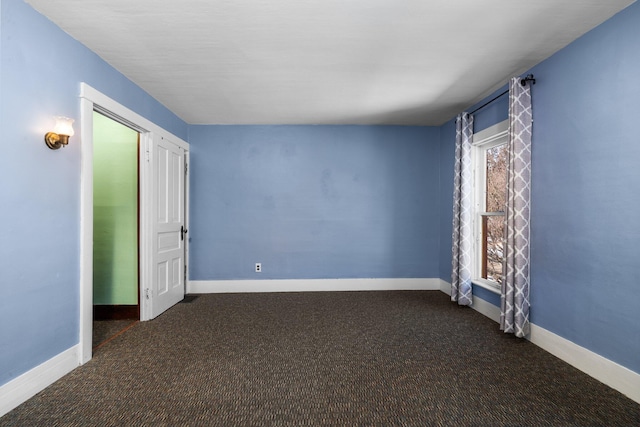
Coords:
445,287
489,310
310,285
604,370
27,385
479,305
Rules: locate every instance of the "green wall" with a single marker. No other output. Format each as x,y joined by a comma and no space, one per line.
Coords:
115,213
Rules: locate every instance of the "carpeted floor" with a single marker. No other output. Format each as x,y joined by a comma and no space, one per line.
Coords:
343,359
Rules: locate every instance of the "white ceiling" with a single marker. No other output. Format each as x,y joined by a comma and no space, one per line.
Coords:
408,62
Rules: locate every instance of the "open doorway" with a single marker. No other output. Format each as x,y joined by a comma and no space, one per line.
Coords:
163,193
116,299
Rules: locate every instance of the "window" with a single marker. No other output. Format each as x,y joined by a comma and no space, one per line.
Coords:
489,155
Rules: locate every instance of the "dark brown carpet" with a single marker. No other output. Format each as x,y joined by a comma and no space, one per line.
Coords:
344,359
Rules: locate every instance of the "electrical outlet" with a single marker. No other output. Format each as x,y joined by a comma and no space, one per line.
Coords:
258,267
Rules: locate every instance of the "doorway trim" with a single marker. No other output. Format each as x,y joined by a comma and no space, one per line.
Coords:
92,100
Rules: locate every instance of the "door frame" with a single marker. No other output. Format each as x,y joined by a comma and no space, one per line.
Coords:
92,100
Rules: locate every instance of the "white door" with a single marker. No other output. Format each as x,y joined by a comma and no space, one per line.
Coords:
169,226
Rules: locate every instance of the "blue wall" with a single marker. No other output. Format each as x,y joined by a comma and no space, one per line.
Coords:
41,69
493,113
585,231
447,159
314,202
586,191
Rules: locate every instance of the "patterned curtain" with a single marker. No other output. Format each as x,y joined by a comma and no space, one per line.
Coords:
462,238
514,300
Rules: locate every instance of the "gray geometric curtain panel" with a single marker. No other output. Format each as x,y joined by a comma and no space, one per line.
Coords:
462,238
514,299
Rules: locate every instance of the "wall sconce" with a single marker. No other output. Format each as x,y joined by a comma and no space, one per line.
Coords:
59,137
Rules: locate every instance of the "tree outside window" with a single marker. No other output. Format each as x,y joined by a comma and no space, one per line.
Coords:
493,219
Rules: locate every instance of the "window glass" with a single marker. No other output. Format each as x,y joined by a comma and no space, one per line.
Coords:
492,250
496,170
493,220
490,154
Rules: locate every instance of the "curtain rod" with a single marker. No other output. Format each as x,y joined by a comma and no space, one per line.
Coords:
523,82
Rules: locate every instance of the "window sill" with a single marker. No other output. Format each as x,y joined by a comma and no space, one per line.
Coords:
488,285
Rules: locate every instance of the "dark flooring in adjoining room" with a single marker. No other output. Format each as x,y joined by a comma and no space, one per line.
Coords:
104,330
409,358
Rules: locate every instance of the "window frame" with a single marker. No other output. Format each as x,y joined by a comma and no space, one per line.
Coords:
482,141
